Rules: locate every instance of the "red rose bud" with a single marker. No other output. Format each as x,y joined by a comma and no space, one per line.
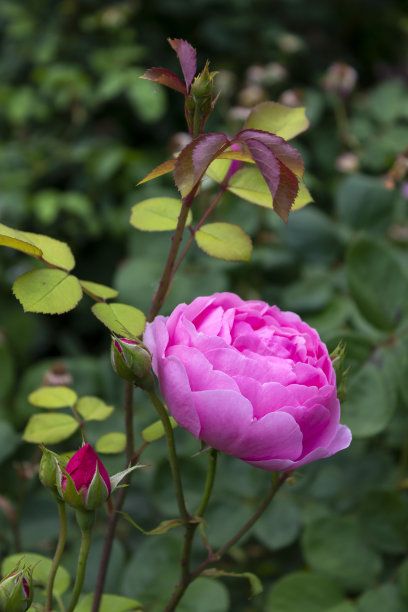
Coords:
16,591
132,362
85,483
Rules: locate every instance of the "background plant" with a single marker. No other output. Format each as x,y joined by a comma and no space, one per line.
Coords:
327,264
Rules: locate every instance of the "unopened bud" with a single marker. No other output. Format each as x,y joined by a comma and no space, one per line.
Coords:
16,591
199,102
132,362
49,469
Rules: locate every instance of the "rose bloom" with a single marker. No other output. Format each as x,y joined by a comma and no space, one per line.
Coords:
249,380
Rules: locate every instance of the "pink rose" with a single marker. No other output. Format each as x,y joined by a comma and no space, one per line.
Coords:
249,380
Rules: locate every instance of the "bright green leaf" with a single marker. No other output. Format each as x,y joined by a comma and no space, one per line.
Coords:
47,291
122,319
284,121
53,397
17,240
111,443
54,252
97,291
109,603
155,431
224,241
157,214
41,570
93,408
49,428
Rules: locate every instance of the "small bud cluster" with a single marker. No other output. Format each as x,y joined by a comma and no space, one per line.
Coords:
133,362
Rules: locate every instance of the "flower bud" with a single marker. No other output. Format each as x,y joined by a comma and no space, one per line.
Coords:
49,469
16,591
84,483
199,102
132,362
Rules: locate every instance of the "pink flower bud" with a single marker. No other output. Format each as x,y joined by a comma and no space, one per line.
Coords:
16,591
86,484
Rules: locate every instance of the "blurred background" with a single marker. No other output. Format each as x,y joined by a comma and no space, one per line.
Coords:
79,129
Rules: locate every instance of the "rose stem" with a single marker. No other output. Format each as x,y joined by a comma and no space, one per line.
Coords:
214,557
119,501
166,278
58,554
172,456
197,227
191,527
82,559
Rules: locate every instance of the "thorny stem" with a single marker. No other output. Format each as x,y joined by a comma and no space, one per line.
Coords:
57,556
131,457
161,411
214,557
167,275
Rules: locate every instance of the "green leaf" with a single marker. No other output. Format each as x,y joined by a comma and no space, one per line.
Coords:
163,527
224,241
9,440
109,603
157,214
369,405
97,291
383,518
41,570
47,291
18,240
305,591
111,443
205,595
255,583
382,598
155,431
54,252
49,428
284,121
377,283
122,319
53,397
335,547
93,409
279,525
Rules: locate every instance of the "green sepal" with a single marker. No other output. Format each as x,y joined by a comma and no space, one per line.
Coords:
116,478
97,492
69,494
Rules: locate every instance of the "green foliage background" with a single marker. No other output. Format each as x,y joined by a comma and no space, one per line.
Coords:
78,130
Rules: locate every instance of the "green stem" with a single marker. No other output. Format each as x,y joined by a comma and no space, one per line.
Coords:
212,466
57,556
82,559
161,410
214,557
166,278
